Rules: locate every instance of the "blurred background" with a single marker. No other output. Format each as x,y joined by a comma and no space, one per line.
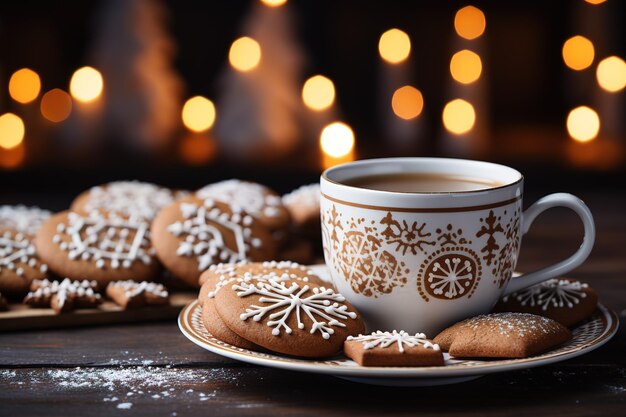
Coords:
184,93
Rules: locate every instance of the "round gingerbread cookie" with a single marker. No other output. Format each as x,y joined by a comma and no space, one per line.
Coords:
566,301
22,219
98,246
193,233
291,317
304,206
19,263
257,200
281,270
125,198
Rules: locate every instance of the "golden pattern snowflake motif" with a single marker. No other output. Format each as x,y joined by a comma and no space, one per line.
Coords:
555,293
405,236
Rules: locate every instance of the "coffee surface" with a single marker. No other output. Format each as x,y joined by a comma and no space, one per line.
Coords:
422,183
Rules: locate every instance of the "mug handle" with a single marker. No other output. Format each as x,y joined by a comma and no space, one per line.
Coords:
556,200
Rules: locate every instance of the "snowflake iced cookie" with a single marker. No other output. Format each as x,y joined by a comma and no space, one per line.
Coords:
22,219
98,246
290,317
128,198
502,335
563,300
19,263
129,294
393,349
218,276
257,200
192,234
63,296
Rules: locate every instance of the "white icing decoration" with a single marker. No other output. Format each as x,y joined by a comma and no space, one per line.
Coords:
129,198
322,307
558,293
134,289
63,290
22,219
105,239
243,195
308,195
387,339
18,249
203,239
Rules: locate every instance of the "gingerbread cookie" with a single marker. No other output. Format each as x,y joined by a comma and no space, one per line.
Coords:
22,219
19,263
127,198
502,335
393,349
218,276
98,246
128,294
290,317
304,206
257,200
63,296
563,300
193,233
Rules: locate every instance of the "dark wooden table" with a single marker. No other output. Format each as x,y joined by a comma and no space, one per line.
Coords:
152,370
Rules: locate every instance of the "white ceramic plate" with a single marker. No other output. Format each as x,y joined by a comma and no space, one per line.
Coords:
589,335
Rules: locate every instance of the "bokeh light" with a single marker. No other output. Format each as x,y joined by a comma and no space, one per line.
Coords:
56,105
196,149
407,102
11,131
337,139
578,52
198,114
394,46
86,84
611,74
459,116
595,1
469,22
245,54
318,93
24,85
583,124
12,158
466,66
273,3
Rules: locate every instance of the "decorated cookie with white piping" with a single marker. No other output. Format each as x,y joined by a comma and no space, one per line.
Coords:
564,300
291,317
257,200
19,263
393,349
97,246
125,198
63,296
193,233
502,335
22,219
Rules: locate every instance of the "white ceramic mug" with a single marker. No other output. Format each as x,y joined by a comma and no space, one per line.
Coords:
422,261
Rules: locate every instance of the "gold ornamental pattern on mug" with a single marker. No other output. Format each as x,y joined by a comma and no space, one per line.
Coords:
377,255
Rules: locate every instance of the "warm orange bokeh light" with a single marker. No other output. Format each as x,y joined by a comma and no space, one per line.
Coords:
24,85
337,139
394,46
459,116
595,1
407,102
578,52
12,158
197,149
86,84
245,54
318,93
466,66
11,131
198,114
56,105
273,3
470,22
583,124
611,74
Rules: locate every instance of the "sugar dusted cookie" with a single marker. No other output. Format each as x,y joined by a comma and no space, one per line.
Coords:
304,206
97,246
393,349
257,200
22,219
63,296
128,294
290,317
19,263
502,335
126,198
193,233
563,300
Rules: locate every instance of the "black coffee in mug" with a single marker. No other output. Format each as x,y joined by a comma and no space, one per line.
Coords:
422,183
